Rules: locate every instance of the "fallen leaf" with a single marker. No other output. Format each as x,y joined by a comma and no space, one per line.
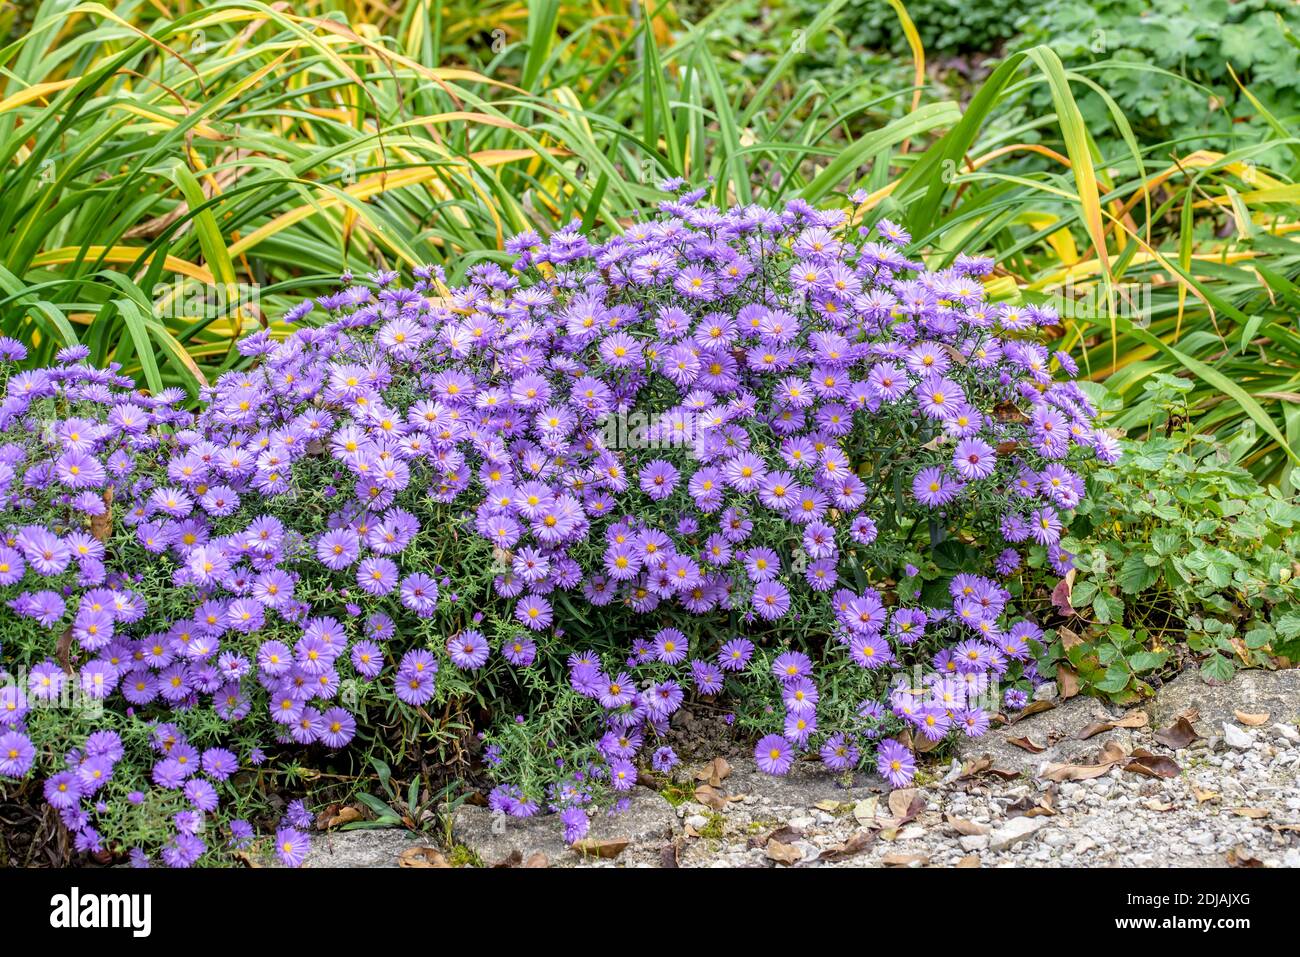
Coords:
1067,681
1028,807
900,799
537,859
1034,707
1203,796
247,859
669,855
1251,720
1111,754
1240,857
514,859
905,804
608,850
970,860
1251,812
714,773
1068,638
898,859
101,526
1027,744
857,843
1061,598
335,816
923,744
965,827
421,857
1151,804
710,797
830,807
1134,719
865,810
1178,735
1153,765
978,766
785,834
783,853
62,650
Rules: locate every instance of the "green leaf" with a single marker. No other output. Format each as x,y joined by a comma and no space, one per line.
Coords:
1148,660
1116,679
383,813
1217,668
1135,575
1107,608
1288,625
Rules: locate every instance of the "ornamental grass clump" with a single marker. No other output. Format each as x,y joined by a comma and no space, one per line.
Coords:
755,457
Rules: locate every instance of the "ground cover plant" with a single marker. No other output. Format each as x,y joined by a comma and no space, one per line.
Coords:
835,454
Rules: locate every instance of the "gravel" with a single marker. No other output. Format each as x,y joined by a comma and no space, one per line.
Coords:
1234,797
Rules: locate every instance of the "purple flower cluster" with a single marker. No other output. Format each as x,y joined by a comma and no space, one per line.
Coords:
808,399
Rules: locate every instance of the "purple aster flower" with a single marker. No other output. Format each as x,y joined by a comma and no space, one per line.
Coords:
774,755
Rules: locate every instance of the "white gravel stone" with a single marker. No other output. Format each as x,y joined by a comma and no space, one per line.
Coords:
1237,737
1013,832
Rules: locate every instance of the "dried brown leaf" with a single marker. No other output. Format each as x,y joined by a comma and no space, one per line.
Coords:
899,859
858,842
1029,807
421,857
1251,720
1067,682
1027,744
1178,735
1240,857
714,773
965,827
670,855
1153,765
1034,707
1068,638
970,860
1251,812
1134,719
976,767
1061,597
783,853
607,850
1077,772
710,797
338,816
785,834
900,799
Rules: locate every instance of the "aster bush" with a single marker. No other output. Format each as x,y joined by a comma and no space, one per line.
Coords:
753,456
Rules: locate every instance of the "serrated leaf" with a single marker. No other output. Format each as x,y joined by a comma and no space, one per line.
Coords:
1135,575
1217,668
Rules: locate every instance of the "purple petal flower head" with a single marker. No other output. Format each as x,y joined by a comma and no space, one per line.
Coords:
735,654
292,846
468,650
895,763
664,759
774,755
